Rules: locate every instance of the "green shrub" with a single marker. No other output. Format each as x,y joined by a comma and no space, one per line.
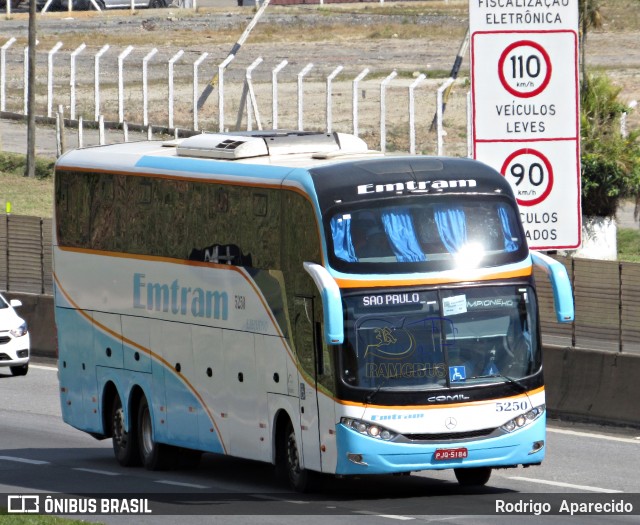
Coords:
610,162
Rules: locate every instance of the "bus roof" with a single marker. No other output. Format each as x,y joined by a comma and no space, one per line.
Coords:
339,166
272,148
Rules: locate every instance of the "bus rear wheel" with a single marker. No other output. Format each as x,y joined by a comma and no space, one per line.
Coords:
154,456
125,446
469,477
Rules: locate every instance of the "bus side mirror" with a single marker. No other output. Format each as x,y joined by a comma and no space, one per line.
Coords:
560,283
331,302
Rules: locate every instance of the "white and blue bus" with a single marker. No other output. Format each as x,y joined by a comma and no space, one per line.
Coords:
295,298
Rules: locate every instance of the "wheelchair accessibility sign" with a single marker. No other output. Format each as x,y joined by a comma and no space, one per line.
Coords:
457,374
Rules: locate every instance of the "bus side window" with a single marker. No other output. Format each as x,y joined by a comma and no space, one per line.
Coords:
103,221
262,235
300,243
74,195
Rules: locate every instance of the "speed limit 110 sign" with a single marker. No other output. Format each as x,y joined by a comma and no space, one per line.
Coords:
526,124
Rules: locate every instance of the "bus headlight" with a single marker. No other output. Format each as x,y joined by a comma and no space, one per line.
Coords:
523,419
368,429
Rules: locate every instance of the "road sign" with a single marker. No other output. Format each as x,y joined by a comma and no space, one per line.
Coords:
526,124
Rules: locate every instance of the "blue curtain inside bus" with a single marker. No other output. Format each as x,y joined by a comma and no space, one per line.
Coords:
342,243
398,226
509,244
452,228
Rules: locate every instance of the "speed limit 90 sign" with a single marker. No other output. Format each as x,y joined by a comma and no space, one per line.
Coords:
530,174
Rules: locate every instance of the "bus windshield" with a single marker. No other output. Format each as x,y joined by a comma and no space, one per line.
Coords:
426,233
438,339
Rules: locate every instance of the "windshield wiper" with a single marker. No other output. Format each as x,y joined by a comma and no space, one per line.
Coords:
509,380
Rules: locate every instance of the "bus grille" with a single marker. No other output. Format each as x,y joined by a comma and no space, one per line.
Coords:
450,435
4,339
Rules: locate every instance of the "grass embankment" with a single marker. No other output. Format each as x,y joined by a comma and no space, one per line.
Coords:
628,245
34,519
27,196
35,197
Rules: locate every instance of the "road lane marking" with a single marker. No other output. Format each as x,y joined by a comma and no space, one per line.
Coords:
388,516
592,435
180,484
273,498
565,485
44,367
96,471
24,460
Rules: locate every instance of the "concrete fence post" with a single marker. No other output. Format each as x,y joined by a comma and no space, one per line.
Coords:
329,109
101,134
50,56
196,88
121,58
439,116
3,71
274,93
96,80
354,99
72,80
252,105
412,113
301,75
172,61
145,90
383,110
221,69
25,79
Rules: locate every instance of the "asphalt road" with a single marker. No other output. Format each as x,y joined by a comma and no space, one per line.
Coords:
40,453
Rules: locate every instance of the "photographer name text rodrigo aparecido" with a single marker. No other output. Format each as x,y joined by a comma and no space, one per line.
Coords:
563,505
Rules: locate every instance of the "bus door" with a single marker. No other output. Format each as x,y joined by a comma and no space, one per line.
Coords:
304,324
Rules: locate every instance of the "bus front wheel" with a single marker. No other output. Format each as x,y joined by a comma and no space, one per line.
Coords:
473,476
288,466
124,441
154,456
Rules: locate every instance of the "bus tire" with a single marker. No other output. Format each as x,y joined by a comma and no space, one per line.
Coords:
470,477
154,456
125,446
288,462
187,458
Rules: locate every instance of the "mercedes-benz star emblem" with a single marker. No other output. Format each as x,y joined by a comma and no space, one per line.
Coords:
450,423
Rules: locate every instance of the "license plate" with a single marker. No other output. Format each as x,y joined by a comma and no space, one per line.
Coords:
450,453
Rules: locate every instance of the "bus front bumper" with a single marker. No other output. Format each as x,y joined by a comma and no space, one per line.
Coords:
361,454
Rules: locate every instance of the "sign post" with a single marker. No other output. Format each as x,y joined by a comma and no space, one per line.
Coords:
526,115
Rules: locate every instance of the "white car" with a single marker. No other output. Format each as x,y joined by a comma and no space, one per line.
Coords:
14,338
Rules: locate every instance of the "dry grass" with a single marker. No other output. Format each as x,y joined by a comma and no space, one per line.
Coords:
317,29
27,196
618,15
